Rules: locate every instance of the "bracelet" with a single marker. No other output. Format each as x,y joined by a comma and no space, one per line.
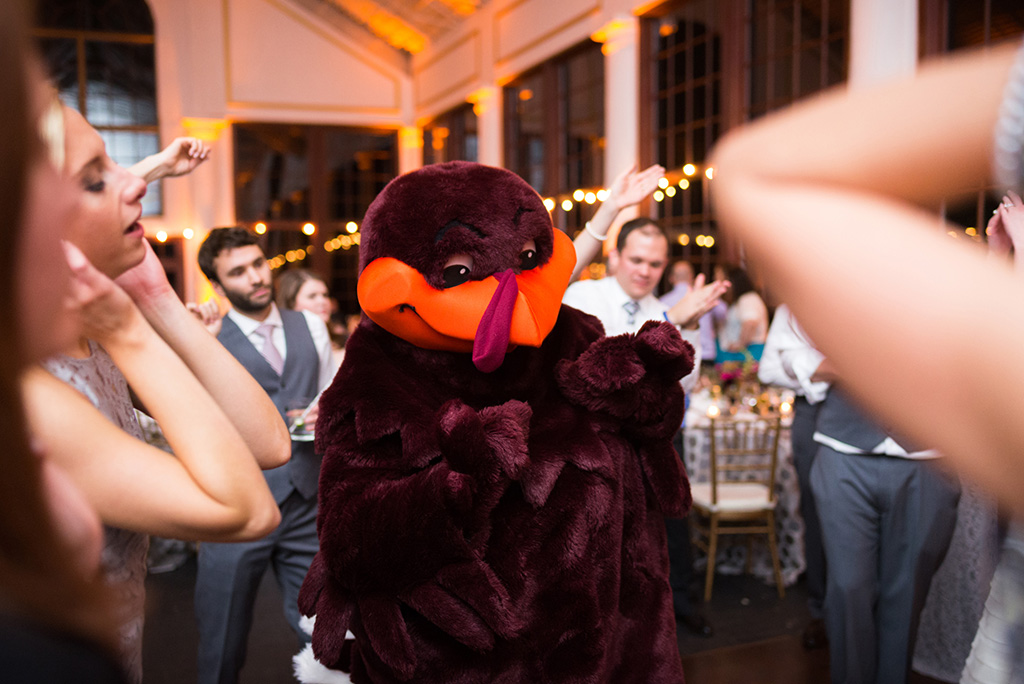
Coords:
1009,134
594,235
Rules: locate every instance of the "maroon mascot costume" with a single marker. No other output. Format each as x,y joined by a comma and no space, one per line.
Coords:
496,471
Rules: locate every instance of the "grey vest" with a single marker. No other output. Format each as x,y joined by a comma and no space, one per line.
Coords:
298,382
844,421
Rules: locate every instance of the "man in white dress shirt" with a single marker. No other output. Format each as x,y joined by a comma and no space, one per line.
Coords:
789,360
625,301
886,517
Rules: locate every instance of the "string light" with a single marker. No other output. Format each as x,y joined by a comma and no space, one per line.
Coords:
566,205
658,195
308,228
188,233
663,182
351,227
670,191
590,198
578,195
684,239
260,228
549,203
684,183
161,236
709,172
689,169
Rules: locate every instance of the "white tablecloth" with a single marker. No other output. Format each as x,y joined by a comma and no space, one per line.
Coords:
789,530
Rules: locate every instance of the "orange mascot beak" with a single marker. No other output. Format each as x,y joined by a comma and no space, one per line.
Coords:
488,317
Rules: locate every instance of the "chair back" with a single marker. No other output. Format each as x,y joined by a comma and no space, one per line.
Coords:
744,450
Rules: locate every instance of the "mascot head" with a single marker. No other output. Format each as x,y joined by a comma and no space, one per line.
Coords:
463,257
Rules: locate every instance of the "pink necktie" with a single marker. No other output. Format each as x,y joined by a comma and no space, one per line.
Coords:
270,351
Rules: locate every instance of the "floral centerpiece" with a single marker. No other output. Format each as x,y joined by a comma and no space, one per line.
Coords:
735,373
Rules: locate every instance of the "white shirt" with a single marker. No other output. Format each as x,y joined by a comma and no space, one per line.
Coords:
789,359
317,329
605,300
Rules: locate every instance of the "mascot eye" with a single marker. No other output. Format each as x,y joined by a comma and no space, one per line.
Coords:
457,271
528,257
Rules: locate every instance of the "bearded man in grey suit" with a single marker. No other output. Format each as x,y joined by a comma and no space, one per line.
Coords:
289,354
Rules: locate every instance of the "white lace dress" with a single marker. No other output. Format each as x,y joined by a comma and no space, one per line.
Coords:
124,552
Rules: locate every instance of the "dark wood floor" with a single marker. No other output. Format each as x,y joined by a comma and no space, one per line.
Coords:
756,640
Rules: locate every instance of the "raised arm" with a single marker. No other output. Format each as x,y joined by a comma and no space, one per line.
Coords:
628,189
223,378
827,200
210,489
180,157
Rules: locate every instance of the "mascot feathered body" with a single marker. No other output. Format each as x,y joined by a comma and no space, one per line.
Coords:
496,471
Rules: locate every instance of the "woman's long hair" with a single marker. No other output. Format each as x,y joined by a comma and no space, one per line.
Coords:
289,283
38,579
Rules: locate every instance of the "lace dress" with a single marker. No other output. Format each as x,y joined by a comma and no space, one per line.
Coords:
959,588
124,552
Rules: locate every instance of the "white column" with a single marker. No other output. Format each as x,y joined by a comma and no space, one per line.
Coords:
620,39
486,103
410,149
211,191
883,40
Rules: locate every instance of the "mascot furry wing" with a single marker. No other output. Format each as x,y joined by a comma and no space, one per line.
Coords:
496,471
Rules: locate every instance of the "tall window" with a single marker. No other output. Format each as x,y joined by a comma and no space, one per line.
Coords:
554,135
712,64
954,25
798,47
306,189
451,136
100,54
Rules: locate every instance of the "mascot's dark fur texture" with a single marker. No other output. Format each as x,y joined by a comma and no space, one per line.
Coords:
503,526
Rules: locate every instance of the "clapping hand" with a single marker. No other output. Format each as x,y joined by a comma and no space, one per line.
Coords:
698,301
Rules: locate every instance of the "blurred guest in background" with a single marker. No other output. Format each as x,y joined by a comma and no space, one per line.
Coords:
301,290
745,327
